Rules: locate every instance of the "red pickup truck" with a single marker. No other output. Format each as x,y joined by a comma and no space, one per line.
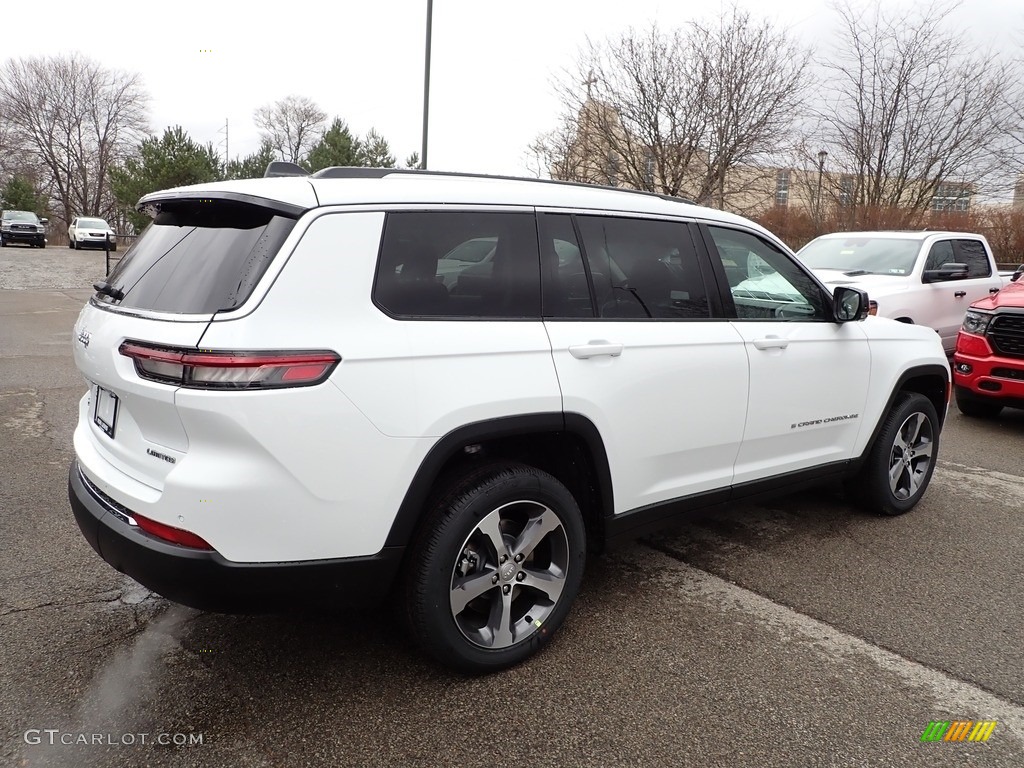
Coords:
988,364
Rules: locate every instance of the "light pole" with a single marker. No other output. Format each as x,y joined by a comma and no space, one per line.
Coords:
822,156
426,85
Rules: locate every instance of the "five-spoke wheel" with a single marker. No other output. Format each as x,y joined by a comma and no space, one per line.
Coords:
901,462
497,568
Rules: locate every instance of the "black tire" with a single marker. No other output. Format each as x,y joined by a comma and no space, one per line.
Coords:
71,243
78,246
460,584
912,416
975,407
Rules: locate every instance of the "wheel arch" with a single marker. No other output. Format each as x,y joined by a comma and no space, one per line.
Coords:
932,381
565,445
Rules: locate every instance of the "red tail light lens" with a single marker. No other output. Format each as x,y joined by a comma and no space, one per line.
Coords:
170,533
210,369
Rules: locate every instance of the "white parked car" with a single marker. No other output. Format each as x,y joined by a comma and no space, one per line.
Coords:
369,384
90,232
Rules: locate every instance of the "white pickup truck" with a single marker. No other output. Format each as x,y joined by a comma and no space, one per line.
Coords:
925,278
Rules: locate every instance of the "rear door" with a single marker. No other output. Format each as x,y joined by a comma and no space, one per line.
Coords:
638,352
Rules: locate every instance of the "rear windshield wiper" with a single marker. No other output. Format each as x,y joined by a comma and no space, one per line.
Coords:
106,289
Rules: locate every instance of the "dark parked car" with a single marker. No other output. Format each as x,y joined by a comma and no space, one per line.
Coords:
22,227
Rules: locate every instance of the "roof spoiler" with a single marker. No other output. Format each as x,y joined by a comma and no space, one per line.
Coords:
284,168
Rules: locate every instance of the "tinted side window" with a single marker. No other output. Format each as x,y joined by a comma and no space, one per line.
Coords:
765,282
643,268
459,264
566,287
939,254
972,253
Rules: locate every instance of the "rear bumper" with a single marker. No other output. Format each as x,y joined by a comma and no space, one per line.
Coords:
205,580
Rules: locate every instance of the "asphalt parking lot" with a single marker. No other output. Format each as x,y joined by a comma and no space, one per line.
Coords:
797,633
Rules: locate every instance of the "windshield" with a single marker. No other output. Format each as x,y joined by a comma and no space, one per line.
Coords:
93,223
197,257
862,255
20,216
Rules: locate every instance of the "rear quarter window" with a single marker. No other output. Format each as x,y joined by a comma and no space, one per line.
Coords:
198,257
459,264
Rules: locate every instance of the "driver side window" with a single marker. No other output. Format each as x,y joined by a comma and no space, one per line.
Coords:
941,253
764,281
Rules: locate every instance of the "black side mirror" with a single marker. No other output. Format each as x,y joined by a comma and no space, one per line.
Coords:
849,304
1017,274
44,221
951,271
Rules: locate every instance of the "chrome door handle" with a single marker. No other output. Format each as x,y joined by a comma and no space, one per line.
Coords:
993,290
595,349
771,342
959,294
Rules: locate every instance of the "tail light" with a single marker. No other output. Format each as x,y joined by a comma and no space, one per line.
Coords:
170,533
212,369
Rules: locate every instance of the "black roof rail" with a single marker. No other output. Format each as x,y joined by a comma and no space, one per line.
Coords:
358,172
284,168
351,172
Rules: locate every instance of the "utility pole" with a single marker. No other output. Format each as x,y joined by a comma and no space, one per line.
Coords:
426,85
817,203
227,154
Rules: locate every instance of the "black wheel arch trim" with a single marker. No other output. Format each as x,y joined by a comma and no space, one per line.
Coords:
921,371
413,506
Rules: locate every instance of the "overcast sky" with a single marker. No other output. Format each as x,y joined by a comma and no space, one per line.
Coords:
492,62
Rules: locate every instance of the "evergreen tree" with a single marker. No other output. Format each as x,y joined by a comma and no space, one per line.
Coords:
19,194
173,160
337,146
376,153
255,165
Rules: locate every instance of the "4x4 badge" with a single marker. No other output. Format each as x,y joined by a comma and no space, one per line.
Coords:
83,337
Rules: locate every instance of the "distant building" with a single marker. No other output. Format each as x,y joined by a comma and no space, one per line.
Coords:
601,151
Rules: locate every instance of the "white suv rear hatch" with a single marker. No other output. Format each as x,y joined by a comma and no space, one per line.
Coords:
198,257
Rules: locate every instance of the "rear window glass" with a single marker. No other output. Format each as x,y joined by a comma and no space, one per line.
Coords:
198,257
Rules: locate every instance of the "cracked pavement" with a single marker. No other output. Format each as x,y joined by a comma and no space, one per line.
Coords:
798,632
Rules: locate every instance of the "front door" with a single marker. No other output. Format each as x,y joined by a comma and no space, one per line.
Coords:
808,373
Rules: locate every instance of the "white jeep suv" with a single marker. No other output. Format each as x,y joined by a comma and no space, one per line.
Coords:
452,388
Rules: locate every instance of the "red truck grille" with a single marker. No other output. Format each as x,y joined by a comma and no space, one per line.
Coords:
1006,334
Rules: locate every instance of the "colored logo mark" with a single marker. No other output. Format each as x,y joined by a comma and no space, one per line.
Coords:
958,730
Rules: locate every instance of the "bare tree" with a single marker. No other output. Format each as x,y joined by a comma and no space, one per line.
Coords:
674,112
292,126
73,119
913,106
